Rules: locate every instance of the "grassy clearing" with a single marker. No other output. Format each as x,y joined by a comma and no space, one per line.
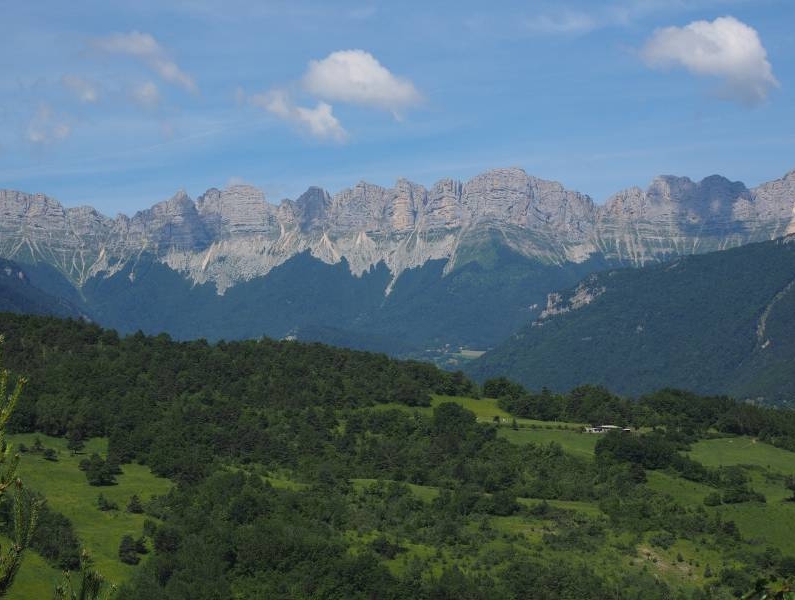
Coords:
683,491
426,493
486,409
68,492
588,508
578,444
768,523
743,451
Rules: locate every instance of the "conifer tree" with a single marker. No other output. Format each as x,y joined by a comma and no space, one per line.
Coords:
85,584
24,516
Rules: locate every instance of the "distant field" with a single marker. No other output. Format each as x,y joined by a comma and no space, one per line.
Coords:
743,451
579,444
484,408
487,409
68,492
426,493
588,508
684,491
770,522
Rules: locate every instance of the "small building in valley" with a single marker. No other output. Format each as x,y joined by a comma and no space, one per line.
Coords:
607,429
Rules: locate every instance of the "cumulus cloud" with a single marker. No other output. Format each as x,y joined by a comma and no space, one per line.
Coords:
146,48
320,121
46,127
725,48
356,77
86,91
146,95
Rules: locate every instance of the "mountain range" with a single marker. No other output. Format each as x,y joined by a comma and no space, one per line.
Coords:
404,269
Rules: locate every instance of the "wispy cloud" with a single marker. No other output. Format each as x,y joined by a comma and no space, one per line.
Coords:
320,121
725,48
45,127
146,48
560,19
146,95
562,22
86,91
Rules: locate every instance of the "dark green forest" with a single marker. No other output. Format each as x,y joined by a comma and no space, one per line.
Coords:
305,471
314,301
717,323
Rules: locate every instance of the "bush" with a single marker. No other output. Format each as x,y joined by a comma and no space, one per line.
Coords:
105,505
663,540
383,547
712,499
134,505
127,551
97,471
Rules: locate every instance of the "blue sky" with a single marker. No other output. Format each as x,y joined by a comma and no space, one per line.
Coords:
120,104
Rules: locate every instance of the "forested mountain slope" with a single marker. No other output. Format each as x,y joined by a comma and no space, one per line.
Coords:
715,323
19,294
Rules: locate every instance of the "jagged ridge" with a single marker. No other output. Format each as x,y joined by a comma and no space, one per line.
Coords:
234,235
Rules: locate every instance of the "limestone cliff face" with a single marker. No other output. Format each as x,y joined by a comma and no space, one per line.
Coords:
232,235
677,216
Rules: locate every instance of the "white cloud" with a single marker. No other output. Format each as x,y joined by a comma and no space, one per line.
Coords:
319,121
355,76
146,95
146,48
46,127
86,91
724,48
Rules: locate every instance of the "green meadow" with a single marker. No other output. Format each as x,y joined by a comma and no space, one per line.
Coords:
771,522
574,442
67,491
743,450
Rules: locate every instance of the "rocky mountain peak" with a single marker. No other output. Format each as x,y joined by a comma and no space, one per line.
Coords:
234,234
237,210
313,206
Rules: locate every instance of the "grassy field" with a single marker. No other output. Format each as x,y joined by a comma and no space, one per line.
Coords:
528,430
426,493
578,444
486,409
68,492
768,523
684,491
743,451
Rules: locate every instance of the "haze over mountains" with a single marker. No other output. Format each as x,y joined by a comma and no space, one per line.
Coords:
400,269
